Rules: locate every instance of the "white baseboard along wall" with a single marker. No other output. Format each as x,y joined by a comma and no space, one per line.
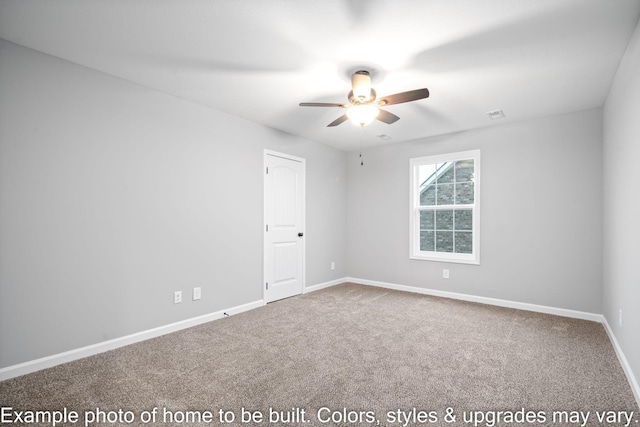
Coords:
69,356
90,350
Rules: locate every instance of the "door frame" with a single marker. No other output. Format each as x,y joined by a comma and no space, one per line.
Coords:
303,161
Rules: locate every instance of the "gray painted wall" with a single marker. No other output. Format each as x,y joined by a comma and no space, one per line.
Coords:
541,204
112,196
622,204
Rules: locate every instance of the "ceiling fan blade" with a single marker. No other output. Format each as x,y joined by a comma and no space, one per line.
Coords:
343,118
387,117
321,104
399,98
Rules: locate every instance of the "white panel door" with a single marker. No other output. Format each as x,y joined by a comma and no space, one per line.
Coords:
284,226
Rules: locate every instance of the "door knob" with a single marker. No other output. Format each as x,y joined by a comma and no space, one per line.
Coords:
300,234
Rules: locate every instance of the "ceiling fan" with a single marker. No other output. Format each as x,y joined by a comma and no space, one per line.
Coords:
364,105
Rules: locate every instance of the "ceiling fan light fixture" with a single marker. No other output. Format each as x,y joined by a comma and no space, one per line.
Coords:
362,115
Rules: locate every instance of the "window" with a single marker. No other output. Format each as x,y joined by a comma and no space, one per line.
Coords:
445,207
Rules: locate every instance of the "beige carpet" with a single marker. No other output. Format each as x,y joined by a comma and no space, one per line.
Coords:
346,355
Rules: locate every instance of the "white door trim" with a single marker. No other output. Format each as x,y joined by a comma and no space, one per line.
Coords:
301,160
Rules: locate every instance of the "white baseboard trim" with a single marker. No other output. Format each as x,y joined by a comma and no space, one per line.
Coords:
90,350
484,300
324,285
69,356
633,382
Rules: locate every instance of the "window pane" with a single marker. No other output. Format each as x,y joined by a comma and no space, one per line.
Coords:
464,170
464,242
464,219
427,184
464,193
444,241
445,173
427,241
427,220
428,195
427,174
444,194
444,220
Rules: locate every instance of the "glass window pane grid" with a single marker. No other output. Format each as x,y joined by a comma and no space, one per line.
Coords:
447,236
446,188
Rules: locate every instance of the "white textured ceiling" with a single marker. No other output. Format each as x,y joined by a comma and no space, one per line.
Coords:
258,59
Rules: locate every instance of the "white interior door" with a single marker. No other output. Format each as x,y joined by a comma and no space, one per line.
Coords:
284,226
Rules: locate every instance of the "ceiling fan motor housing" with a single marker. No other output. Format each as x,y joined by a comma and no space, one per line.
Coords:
361,88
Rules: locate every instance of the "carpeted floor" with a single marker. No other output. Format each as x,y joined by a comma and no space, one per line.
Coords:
346,355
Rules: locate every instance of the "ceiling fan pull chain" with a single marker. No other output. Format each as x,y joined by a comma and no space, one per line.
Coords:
361,141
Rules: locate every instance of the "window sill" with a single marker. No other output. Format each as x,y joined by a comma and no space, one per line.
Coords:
451,258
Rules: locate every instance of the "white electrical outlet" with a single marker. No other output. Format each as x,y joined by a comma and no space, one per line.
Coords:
445,273
620,318
333,265
177,297
197,293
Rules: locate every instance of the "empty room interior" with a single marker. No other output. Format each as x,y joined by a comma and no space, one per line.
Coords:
196,213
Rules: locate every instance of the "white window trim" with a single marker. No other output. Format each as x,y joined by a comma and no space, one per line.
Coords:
414,214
